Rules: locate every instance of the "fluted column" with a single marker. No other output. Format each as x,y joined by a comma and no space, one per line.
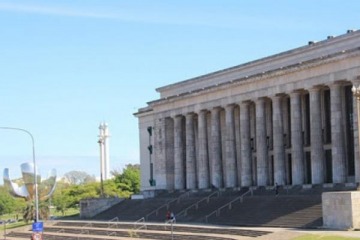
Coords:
160,173
337,135
261,146
179,153
230,161
278,134
297,148
203,166
216,148
246,169
356,119
190,152
317,149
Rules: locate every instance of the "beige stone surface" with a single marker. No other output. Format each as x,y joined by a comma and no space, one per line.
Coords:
341,210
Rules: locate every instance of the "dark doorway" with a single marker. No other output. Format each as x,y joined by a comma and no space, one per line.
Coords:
328,166
272,178
308,168
289,169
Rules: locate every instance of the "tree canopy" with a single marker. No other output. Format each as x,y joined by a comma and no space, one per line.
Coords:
78,177
75,186
9,204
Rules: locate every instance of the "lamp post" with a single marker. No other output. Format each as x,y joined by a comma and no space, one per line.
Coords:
35,171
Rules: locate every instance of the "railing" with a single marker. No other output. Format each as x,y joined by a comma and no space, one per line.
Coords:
140,222
196,205
84,231
167,205
111,233
87,225
229,205
112,223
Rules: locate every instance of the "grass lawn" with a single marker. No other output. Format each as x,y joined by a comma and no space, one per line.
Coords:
323,237
12,225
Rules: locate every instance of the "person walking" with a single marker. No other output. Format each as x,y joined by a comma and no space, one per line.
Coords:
276,189
172,217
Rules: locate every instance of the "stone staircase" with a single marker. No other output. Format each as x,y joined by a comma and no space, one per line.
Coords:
273,211
298,207
293,207
131,210
114,230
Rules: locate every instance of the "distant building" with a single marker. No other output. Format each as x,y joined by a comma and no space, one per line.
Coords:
288,119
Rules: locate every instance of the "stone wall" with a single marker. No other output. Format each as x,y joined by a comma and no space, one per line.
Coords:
341,210
91,207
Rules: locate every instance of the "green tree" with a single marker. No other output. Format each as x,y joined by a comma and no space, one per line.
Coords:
69,193
112,189
78,177
129,179
29,213
9,204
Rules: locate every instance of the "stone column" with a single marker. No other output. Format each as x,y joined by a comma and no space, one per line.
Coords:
230,161
317,148
179,153
278,134
337,135
297,146
216,148
203,166
160,174
261,146
356,117
246,169
190,152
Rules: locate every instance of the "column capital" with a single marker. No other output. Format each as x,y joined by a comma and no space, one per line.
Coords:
296,93
278,96
245,103
356,81
230,106
202,111
177,116
216,109
335,85
316,88
260,100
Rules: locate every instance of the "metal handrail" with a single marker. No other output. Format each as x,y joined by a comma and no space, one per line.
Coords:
167,205
196,205
143,225
84,231
88,225
229,204
115,219
111,233
113,222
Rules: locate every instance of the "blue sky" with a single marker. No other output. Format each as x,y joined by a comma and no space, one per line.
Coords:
65,66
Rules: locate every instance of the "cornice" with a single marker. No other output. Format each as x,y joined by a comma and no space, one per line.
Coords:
312,46
143,111
264,75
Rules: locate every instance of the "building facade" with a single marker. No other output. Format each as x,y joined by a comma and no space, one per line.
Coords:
289,119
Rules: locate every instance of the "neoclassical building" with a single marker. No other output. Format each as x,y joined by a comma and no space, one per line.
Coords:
289,119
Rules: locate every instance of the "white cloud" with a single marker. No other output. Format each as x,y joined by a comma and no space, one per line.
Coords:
45,10
147,14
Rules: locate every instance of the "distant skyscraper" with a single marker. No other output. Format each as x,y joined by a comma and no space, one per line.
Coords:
104,151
